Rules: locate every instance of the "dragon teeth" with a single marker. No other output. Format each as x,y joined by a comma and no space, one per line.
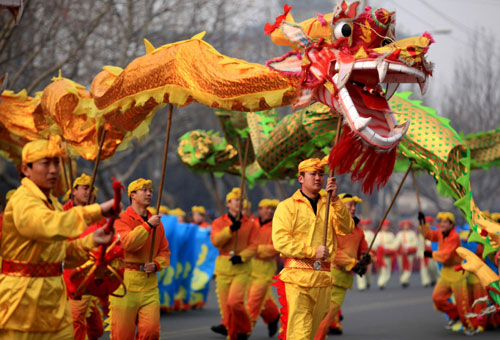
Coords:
423,85
382,70
360,123
391,88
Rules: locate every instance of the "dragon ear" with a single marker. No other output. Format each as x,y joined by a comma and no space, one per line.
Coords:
295,34
348,10
288,64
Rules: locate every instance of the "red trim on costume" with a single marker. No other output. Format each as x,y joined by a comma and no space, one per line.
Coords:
39,269
280,288
158,267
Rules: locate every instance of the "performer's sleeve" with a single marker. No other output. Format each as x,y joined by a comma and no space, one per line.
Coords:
446,250
132,239
343,221
29,215
266,251
220,234
283,241
77,251
162,259
343,260
251,249
363,246
429,234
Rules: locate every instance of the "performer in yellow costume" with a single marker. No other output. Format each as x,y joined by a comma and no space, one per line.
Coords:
298,232
235,240
260,300
33,301
140,307
199,214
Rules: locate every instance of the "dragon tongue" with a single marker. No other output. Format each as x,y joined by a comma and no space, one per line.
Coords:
373,101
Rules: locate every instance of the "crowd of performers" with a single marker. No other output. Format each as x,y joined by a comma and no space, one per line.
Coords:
42,242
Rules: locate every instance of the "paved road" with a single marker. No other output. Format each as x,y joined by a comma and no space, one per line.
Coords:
394,313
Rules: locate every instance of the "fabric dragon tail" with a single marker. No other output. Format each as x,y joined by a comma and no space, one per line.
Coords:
368,165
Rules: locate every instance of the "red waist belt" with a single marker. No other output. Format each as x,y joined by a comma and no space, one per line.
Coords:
39,269
305,264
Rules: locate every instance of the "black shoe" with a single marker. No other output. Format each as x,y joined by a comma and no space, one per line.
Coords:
272,327
341,317
241,336
334,331
381,287
219,329
405,285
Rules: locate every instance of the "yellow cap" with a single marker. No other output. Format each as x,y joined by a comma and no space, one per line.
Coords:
42,148
312,164
177,212
151,210
84,179
199,209
495,216
349,198
139,184
236,192
9,194
274,203
266,202
445,215
164,209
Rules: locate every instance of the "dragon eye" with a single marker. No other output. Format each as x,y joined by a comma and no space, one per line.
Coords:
342,30
386,41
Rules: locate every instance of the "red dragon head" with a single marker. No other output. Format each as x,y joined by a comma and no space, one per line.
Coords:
350,61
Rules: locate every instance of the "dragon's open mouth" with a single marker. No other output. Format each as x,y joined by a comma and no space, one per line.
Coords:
365,104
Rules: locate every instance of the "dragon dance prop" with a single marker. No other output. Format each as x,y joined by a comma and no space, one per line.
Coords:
484,148
103,273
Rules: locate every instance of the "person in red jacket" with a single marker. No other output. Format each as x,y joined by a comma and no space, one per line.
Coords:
264,266
234,237
87,319
140,307
451,281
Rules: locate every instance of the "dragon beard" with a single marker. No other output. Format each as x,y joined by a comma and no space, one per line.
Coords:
371,166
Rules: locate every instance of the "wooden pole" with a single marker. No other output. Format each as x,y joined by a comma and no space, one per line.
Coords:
63,164
419,203
163,167
96,163
217,197
330,174
243,161
390,206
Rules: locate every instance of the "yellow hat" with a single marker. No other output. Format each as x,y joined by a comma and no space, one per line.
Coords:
495,216
236,192
274,203
42,148
445,215
247,204
199,209
177,212
9,194
345,198
84,179
164,209
312,164
266,202
139,184
151,210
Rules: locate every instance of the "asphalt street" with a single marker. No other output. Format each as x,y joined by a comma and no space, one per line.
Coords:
393,313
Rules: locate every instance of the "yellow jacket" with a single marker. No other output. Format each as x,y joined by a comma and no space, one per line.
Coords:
36,230
297,232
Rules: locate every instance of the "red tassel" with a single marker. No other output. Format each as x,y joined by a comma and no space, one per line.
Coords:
459,267
484,233
368,165
280,285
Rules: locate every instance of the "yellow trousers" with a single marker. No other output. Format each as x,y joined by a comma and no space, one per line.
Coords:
141,309
64,334
306,308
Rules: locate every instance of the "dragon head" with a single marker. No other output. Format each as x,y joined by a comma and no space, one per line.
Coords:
351,61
